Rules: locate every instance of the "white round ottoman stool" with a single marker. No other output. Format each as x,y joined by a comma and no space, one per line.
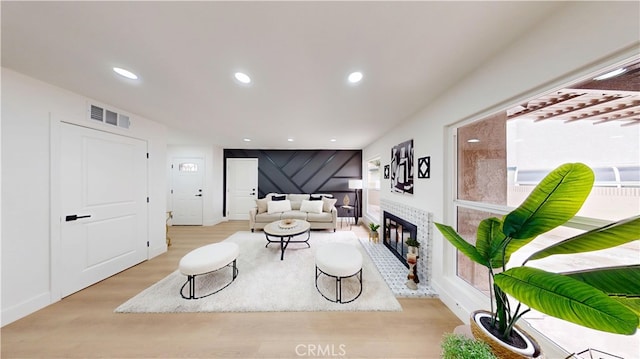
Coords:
339,261
207,259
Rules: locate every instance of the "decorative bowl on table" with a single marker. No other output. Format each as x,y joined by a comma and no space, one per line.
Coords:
287,223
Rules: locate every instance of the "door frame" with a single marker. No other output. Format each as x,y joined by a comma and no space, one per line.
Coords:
55,200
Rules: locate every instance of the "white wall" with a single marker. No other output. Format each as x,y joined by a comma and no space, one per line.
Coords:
212,192
580,39
30,110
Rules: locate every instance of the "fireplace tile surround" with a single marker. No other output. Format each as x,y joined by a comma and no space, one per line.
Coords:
396,274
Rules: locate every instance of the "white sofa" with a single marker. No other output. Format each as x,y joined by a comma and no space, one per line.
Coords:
296,206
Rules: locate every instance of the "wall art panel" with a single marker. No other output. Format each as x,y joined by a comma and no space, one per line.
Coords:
402,167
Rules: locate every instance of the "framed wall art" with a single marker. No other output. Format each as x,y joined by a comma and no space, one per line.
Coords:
424,167
402,167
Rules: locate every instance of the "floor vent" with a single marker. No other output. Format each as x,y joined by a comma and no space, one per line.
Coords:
109,117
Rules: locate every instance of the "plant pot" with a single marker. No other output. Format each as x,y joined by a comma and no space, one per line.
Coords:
413,250
373,236
501,349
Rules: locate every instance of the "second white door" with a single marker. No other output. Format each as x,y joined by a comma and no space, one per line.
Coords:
242,187
187,191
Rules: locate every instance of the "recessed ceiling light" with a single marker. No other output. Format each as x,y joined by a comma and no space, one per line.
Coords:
333,140
355,77
126,73
290,139
246,139
611,74
242,77
473,140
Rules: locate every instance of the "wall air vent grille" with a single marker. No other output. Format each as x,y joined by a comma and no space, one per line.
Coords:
112,118
97,113
109,117
123,121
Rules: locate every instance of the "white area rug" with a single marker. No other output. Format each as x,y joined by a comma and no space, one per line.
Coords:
267,284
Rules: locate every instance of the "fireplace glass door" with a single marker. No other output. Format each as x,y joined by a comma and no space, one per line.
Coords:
396,233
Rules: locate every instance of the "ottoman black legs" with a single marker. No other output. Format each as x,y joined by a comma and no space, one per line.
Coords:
191,281
339,286
339,261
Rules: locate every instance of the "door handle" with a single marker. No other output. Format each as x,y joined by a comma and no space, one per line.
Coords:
199,195
74,217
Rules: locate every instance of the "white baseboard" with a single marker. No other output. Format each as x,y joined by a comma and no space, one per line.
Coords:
449,300
156,251
21,310
214,221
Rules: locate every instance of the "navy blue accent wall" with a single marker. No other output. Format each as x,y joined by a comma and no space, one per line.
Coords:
304,171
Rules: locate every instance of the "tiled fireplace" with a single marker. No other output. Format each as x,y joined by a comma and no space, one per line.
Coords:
407,221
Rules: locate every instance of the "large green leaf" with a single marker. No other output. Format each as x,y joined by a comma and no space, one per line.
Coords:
461,244
612,235
568,299
555,200
631,303
490,241
515,244
620,283
614,281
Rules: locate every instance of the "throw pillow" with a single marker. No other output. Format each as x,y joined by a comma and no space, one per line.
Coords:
311,206
278,206
262,205
279,198
297,197
316,198
319,196
296,200
328,204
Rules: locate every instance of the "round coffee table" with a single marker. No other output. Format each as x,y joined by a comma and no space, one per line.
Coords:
284,233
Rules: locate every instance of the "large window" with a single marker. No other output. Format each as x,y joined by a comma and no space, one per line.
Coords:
502,157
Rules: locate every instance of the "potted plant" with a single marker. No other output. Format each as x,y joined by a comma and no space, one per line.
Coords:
373,232
413,245
458,346
598,298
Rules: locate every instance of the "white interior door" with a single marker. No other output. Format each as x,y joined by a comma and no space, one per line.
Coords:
187,179
242,187
103,179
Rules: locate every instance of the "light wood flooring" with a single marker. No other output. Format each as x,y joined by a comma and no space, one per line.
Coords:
84,325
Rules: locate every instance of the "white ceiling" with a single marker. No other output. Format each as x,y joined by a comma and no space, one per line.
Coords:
297,53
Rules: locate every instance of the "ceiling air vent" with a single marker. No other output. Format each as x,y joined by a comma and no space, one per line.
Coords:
109,117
